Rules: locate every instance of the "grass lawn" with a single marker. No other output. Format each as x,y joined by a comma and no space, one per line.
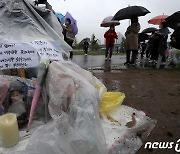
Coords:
177,51
94,53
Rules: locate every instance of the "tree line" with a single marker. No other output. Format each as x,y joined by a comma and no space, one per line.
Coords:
94,46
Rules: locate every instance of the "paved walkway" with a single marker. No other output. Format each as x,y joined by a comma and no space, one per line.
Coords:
116,63
88,62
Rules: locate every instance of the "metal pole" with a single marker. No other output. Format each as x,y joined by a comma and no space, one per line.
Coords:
129,19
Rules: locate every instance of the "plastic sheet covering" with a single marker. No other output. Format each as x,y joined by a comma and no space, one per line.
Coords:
73,103
127,134
28,93
86,74
175,55
100,87
76,127
16,83
4,86
20,21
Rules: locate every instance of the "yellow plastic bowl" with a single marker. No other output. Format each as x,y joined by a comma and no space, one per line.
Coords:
111,100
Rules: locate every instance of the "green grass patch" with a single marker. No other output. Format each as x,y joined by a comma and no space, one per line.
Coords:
175,68
94,53
177,51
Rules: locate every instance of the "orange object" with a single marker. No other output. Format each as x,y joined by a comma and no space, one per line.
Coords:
22,72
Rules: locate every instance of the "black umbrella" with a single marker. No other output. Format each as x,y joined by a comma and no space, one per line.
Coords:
142,37
130,12
149,30
85,39
173,20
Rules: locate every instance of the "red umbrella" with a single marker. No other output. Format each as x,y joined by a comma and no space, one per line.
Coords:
158,19
42,70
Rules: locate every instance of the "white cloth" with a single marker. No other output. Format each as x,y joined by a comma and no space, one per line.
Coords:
17,108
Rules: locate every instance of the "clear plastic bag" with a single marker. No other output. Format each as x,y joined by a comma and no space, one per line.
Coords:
18,97
73,104
100,87
4,86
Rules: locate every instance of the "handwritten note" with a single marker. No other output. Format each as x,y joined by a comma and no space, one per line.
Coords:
48,49
26,55
17,55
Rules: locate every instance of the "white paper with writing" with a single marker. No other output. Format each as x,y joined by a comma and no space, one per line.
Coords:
26,55
17,55
48,49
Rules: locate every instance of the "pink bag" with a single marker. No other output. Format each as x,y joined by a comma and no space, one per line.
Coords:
4,86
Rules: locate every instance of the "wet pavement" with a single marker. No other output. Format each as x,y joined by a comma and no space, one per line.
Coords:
98,62
117,63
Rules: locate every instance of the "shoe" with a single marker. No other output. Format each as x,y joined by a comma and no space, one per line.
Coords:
109,59
126,63
85,54
132,63
105,59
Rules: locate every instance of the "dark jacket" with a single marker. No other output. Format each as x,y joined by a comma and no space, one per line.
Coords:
175,38
163,36
85,45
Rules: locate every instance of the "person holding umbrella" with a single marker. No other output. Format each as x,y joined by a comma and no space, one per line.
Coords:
69,35
173,21
162,34
132,41
85,46
110,37
175,37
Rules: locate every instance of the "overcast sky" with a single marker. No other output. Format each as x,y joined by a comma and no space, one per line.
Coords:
90,13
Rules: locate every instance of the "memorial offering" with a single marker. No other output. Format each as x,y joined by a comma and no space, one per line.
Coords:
28,54
9,132
17,55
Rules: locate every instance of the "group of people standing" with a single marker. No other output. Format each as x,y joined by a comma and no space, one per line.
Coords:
157,43
155,47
